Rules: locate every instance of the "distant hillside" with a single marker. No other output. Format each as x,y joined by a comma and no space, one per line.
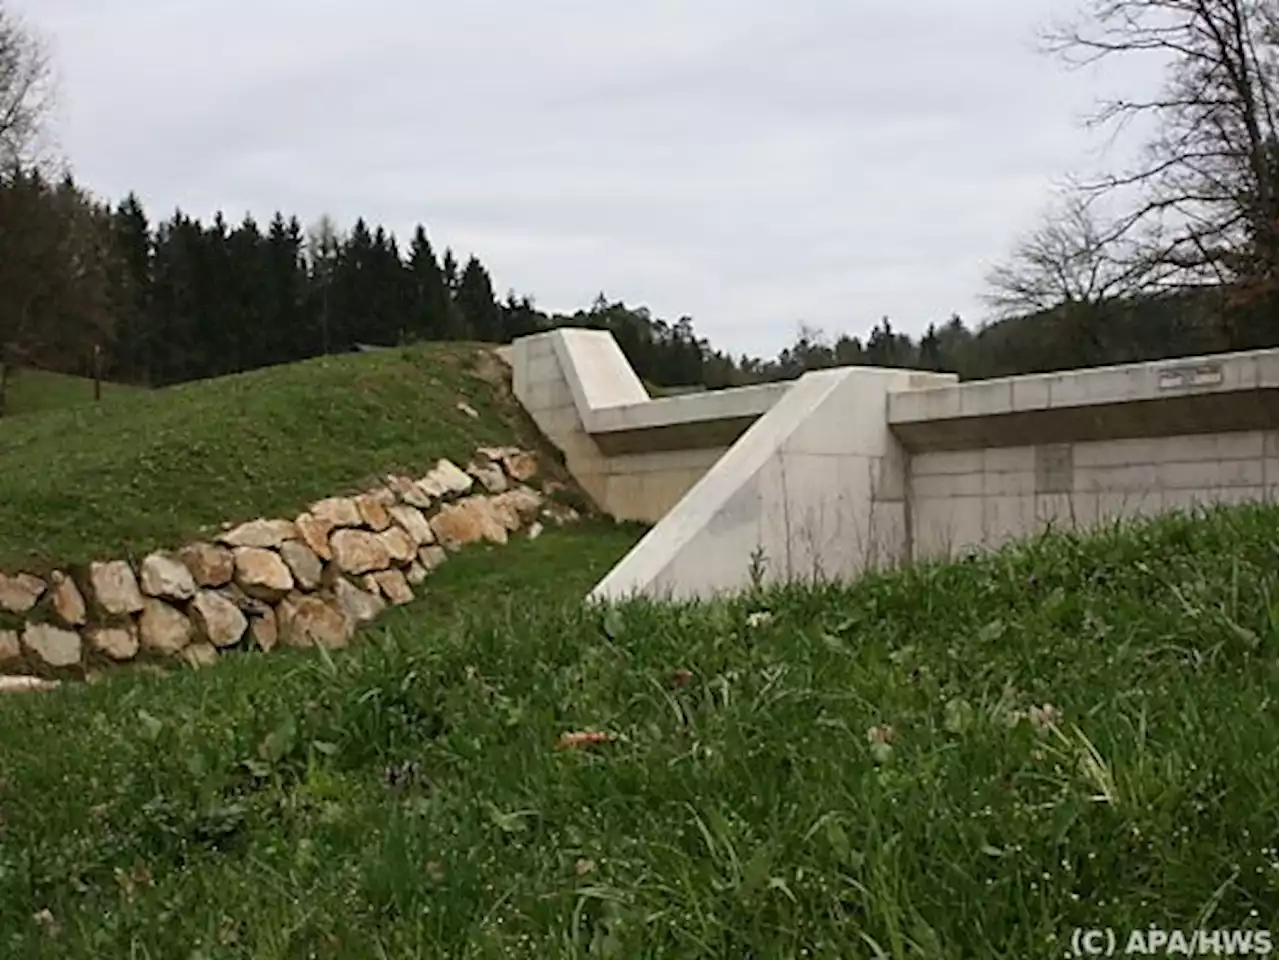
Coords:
1155,328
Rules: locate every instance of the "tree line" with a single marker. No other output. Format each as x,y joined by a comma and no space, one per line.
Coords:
1184,263
183,299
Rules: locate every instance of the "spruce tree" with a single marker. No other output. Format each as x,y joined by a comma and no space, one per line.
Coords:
449,271
242,332
476,302
430,303
179,347
284,287
519,317
353,289
131,289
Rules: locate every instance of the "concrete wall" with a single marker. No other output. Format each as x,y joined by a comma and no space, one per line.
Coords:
814,489
849,469
635,455
1000,459
985,496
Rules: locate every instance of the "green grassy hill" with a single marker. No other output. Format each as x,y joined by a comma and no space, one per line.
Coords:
951,761
34,391
154,468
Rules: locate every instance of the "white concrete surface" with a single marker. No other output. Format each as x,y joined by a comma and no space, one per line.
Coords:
1076,449
854,468
634,455
981,498
813,490
602,377
686,409
1124,383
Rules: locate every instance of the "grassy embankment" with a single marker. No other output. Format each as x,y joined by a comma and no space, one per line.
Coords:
153,469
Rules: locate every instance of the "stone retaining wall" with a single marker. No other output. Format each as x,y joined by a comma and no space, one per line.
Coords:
307,581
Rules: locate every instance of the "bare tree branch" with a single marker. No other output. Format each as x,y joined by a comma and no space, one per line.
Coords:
1199,204
1070,258
26,92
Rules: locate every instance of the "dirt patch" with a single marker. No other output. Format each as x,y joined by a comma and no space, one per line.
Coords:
489,367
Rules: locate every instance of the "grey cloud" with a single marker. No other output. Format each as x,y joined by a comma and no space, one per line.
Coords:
751,164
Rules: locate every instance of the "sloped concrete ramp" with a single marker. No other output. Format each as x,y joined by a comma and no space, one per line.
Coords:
814,488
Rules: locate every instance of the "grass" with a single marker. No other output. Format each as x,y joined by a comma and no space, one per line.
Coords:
35,391
813,771
156,468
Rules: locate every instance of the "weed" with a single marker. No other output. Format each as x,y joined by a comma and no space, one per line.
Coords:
757,567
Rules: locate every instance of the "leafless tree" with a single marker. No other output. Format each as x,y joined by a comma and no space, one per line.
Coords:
26,92
323,245
56,246
1071,258
55,256
323,239
1200,202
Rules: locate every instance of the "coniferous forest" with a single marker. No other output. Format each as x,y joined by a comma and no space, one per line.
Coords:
104,288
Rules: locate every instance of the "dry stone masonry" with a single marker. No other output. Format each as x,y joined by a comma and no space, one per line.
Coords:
309,581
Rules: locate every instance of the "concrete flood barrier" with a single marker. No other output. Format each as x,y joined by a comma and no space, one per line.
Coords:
855,468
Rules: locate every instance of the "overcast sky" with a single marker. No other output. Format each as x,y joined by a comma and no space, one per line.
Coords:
752,164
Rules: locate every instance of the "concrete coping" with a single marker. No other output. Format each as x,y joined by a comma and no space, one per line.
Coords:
731,404
1214,394
610,398
1251,370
